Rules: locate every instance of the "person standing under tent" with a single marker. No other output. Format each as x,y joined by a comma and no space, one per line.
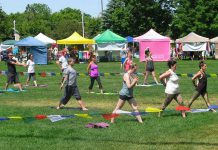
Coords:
171,81
200,82
94,74
123,56
12,73
31,70
128,61
62,62
149,66
126,93
71,88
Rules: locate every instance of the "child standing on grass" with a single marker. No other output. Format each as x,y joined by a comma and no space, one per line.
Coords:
201,86
94,74
71,87
126,93
149,66
171,81
31,70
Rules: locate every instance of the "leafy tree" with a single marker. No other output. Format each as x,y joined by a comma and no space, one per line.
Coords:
195,16
134,17
3,25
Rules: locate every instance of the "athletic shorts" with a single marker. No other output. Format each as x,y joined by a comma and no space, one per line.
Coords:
125,98
31,75
123,60
13,78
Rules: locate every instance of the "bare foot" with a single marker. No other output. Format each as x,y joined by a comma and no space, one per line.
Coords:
84,109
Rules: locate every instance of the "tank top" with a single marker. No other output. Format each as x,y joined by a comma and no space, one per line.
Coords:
125,91
202,83
150,64
127,65
94,70
172,85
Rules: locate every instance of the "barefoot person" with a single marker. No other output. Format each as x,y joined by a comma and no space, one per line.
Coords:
126,93
12,73
149,66
94,74
201,86
71,88
31,70
171,81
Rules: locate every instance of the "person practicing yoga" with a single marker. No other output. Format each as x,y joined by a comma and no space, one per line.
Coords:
12,73
126,93
199,80
71,88
149,66
171,81
94,74
31,70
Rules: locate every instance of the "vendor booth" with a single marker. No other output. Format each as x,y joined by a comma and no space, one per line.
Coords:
159,45
214,41
37,48
109,44
194,45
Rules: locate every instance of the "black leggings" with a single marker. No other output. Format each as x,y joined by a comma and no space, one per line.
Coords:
92,79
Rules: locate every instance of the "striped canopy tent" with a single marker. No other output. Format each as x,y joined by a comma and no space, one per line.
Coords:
75,38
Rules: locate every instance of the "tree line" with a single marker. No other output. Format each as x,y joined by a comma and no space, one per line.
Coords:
174,18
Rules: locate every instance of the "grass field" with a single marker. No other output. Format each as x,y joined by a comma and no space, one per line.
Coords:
171,131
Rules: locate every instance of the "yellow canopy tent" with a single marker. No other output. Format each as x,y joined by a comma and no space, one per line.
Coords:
75,38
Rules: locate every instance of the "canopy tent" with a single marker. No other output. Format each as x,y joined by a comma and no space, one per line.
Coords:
9,42
192,38
159,45
110,41
75,38
37,48
109,37
129,39
193,42
43,38
214,40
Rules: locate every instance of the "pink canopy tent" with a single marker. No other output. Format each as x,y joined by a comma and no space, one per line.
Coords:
159,45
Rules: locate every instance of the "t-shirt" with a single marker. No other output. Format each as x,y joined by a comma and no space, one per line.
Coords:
172,85
123,54
63,61
31,66
11,67
71,76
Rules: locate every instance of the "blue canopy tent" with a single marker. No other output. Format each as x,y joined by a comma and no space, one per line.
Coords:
129,39
37,48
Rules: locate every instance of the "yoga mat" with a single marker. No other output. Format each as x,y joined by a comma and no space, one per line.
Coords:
39,85
12,90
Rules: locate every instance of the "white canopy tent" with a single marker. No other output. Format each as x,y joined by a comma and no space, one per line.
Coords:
214,42
43,38
194,42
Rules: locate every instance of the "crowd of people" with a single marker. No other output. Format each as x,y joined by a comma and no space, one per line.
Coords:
69,80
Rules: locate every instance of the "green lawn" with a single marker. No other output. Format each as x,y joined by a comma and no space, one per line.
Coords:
171,131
